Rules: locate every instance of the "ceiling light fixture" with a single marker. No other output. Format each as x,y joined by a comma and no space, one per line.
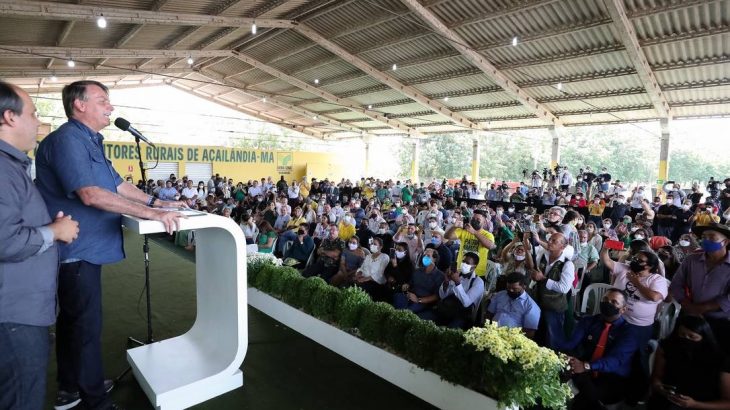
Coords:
264,100
514,41
316,80
314,118
54,78
254,29
370,106
446,98
190,61
395,66
560,86
71,63
101,21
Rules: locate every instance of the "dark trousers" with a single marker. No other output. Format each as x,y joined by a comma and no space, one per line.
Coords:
721,330
551,329
78,333
24,353
593,393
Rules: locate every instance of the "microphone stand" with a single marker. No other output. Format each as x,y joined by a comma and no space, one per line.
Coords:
146,251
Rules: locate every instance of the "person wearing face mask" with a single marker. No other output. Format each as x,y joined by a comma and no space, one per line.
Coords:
690,370
430,224
409,235
289,234
473,238
607,231
385,236
328,256
669,256
666,218
686,245
420,294
437,242
677,194
725,195
516,256
600,352
370,276
460,295
352,258
645,290
357,212
513,307
616,209
586,258
399,270
301,248
702,283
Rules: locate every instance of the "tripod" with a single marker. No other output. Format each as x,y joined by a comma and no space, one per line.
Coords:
146,251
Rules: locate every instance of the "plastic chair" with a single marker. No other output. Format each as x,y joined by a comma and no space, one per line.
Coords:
667,315
597,290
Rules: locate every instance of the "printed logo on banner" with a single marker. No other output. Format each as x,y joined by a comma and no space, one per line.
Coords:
284,162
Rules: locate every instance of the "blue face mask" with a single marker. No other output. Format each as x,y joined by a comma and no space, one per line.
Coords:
436,241
426,260
710,246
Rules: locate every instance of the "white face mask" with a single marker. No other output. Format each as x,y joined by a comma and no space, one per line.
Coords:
510,210
400,254
639,237
374,248
634,228
519,257
432,225
607,226
465,268
352,246
685,207
684,243
382,231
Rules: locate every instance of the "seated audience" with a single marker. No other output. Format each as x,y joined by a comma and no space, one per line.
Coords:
460,294
370,276
328,256
352,258
301,248
513,307
690,369
421,293
601,349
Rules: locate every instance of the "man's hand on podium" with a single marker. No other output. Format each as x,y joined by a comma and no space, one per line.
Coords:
170,219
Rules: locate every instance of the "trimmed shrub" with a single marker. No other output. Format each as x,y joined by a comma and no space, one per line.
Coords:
420,343
397,325
263,278
454,359
281,278
323,302
373,321
349,305
290,292
307,290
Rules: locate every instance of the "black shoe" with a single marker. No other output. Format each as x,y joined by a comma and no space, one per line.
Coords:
68,400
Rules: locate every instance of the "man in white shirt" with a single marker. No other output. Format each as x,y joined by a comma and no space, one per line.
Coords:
255,190
190,192
460,294
553,280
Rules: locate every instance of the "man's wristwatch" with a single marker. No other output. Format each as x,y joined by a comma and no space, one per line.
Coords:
419,300
587,366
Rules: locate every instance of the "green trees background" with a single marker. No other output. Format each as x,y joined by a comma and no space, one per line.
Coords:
628,154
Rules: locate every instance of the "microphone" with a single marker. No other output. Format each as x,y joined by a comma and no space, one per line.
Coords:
124,125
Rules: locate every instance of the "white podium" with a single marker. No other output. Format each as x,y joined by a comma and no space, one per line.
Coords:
203,363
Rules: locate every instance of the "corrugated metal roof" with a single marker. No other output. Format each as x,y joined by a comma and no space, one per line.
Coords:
572,42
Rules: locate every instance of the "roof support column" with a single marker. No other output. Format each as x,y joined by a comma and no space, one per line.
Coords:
475,157
416,158
663,173
367,139
555,154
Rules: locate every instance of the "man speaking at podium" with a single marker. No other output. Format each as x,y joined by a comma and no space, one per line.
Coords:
75,177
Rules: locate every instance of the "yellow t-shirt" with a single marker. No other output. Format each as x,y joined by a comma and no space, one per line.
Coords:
304,189
470,243
703,219
346,231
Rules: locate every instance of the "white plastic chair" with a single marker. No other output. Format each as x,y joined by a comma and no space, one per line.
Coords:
597,290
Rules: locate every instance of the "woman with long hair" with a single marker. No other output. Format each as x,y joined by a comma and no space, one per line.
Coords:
690,370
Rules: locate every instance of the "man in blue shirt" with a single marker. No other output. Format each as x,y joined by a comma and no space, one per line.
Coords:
513,307
28,258
601,350
168,193
75,177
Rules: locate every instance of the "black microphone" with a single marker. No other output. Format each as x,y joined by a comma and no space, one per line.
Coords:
124,125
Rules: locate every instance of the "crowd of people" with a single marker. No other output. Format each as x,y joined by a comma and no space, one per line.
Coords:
448,252
522,257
